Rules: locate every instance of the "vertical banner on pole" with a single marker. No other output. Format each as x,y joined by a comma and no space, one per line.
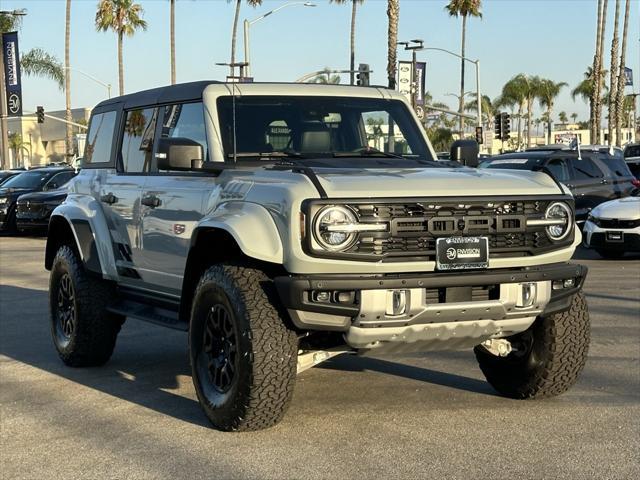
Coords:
421,68
13,84
404,79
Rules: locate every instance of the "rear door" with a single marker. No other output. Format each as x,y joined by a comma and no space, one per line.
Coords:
121,191
591,186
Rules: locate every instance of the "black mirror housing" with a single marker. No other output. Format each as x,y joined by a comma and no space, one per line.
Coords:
466,152
179,154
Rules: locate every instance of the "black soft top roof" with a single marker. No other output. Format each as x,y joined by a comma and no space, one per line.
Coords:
181,92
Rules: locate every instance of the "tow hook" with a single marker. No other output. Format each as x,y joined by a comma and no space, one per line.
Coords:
498,347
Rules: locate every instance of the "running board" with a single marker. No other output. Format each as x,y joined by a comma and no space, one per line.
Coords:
149,313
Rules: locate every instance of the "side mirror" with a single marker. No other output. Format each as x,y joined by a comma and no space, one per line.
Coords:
50,186
179,154
466,152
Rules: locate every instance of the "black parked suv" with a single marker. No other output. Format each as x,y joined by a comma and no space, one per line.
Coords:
37,180
632,158
593,176
33,210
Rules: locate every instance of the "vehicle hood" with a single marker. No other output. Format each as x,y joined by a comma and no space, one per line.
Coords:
14,192
622,209
420,182
49,196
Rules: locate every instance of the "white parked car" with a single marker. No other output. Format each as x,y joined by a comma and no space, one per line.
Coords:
613,228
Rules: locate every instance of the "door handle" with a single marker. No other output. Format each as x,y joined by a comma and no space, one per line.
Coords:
151,201
109,198
604,182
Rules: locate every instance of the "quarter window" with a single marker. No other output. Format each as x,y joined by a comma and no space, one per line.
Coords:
585,169
559,169
137,141
100,138
185,121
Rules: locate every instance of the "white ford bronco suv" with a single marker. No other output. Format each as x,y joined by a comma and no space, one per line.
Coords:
282,224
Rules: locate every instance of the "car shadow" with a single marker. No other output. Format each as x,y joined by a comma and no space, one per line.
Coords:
583,253
148,361
354,363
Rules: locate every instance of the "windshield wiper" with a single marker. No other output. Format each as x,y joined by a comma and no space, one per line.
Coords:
278,154
368,152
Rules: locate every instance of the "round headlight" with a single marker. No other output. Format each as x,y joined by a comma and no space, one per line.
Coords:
562,213
331,228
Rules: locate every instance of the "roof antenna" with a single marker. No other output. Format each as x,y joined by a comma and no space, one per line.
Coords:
233,80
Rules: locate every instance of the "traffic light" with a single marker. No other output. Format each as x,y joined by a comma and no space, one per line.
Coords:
40,114
479,135
363,75
497,122
506,126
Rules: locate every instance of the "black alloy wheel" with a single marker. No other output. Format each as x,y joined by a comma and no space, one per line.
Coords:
65,310
220,347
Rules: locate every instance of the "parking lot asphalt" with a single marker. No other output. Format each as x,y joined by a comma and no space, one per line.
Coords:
410,416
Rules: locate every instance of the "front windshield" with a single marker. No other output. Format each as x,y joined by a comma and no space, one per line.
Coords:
519,163
32,180
319,127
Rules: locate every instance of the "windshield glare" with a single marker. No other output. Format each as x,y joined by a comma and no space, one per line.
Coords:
316,127
27,180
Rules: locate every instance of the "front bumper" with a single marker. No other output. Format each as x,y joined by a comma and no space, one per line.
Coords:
462,306
601,238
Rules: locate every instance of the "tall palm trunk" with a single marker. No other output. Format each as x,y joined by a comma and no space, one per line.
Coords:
352,57
613,79
393,14
462,51
621,77
67,81
520,112
120,63
600,75
548,133
529,112
234,32
595,78
172,23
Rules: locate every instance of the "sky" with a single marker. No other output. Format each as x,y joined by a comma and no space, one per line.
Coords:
551,38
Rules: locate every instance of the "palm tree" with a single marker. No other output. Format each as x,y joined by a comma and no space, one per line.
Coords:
464,9
326,78
514,93
562,116
574,117
620,99
67,80
597,77
17,144
234,32
488,109
123,17
393,16
172,39
547,92
352,53
613,81
36,61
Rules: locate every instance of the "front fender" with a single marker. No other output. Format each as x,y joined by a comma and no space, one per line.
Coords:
251,226
90,229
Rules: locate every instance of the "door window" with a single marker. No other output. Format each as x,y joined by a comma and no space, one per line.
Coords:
137,140
185,121
100,138
585,169
559,169
60,179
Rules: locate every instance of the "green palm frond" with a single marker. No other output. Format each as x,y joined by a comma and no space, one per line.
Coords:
464,8
37,62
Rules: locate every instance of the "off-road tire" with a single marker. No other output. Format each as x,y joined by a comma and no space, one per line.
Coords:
610,253
93,331
552,365
264,360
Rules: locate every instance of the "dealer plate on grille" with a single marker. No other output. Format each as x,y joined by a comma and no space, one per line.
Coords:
461,253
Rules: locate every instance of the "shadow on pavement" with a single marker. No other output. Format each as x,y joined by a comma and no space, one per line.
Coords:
351,363
147,360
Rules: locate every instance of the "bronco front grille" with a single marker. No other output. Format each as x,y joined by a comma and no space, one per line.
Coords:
414,226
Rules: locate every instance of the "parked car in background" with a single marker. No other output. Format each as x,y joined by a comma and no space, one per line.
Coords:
593,177
7,174
37,180
33,210
613,228
632,158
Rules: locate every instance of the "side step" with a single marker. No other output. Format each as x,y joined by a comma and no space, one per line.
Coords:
160,312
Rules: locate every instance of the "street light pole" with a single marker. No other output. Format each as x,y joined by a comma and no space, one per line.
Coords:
247,25
477,65
91,77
